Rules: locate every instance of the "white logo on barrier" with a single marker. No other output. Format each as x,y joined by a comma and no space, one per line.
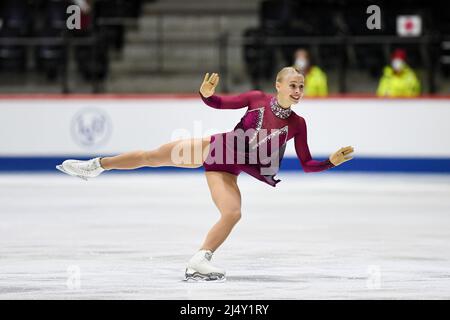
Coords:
91,127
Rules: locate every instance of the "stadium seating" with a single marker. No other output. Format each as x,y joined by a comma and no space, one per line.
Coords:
46,19
15,17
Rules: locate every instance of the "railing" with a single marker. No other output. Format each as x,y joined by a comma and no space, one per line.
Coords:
224,42
341,42
66,42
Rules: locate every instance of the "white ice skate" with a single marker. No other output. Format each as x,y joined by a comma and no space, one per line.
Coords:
81,169
200,268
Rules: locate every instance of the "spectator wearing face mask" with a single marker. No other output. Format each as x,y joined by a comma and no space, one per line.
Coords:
398,79
315,79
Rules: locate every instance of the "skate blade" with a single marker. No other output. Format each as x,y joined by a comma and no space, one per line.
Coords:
198,277
60,168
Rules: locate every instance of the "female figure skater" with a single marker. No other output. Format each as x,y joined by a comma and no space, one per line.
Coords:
264,112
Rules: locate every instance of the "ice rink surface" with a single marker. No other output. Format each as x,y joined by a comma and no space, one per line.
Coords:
314,236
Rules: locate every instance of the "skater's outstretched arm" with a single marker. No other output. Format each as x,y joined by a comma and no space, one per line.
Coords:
304,155
207,90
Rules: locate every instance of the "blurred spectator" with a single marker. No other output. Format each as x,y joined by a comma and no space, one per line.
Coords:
398,79
315,79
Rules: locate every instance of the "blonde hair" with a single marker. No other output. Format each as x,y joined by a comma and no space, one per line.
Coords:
286,70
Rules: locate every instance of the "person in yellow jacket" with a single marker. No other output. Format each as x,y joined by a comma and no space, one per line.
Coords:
398,79
315,79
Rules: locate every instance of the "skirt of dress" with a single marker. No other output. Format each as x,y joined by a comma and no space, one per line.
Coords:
220,151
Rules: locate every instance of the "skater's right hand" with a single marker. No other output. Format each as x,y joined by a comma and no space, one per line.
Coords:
341,156
209,85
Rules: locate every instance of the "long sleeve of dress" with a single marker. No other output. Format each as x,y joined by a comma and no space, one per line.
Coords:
230,102
303,154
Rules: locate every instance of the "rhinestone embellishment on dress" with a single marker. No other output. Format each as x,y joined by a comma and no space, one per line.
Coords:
259,121
280,112
277,132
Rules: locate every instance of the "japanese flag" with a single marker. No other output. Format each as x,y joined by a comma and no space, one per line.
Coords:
409,26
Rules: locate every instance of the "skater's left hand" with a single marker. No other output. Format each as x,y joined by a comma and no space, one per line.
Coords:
341,155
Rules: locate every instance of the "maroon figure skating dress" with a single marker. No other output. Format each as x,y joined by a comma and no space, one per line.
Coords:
257,143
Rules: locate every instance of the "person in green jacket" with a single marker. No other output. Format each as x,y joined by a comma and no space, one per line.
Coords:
398,79
315,79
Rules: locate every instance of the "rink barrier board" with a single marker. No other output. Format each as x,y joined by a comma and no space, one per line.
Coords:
435,160
360,164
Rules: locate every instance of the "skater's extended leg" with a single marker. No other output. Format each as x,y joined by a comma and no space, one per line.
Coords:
186,153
